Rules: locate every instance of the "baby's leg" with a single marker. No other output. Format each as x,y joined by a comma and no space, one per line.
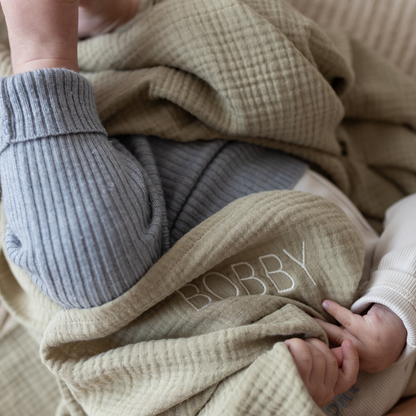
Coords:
83,218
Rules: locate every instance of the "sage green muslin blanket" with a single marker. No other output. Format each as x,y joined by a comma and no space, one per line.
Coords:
201,331
258,71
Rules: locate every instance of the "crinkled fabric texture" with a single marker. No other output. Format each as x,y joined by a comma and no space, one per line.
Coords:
210,314
202,330
259,71
385,26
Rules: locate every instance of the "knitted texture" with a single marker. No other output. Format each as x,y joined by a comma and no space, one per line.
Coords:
86,218
201,178
78,210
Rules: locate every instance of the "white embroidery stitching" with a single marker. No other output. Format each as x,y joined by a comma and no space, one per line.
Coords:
280,270
252,277
303,261
194,296
237,290
241,280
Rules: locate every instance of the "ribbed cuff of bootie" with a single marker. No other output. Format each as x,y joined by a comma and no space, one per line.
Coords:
46,103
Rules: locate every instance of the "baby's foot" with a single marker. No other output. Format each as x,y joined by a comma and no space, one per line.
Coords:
97,17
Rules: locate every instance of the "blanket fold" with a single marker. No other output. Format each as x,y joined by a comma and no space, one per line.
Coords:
210,310
259,71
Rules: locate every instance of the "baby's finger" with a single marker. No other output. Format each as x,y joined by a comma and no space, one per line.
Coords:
331,361
301,356
344,316
337,352
347,374
335,333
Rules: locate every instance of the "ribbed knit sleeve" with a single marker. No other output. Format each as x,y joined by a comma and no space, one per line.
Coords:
393,281
83,218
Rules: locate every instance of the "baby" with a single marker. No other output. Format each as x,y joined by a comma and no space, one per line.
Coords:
44,34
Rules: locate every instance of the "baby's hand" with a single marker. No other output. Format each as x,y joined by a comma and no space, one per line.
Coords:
379,336
324,374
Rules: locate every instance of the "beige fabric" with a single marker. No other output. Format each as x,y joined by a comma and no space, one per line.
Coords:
166,345
4,317
181,340
257,71
387,26
190,95
26,388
